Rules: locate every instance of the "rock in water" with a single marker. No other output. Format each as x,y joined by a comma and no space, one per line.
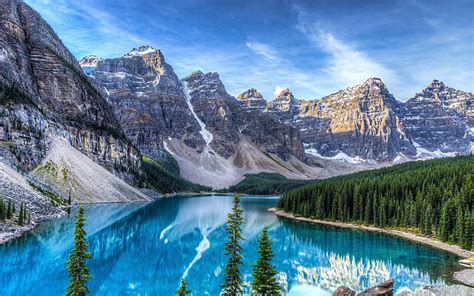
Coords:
383,289
465,276
343,291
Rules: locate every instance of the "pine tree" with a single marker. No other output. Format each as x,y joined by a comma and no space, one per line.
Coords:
183,291
9,209
232,281
264,282
20,215
2,210
24,213
76,264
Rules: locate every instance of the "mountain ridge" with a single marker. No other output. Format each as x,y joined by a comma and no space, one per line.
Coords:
361,125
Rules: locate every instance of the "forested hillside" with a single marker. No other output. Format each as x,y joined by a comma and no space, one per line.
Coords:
265,184
433,197
164,176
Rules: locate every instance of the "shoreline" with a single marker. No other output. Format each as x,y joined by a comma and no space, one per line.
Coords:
453,249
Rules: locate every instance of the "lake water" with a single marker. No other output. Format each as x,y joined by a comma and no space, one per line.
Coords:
145,248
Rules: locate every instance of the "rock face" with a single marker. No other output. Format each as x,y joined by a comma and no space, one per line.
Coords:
360,122
44,92
148,99
285,106
252,99
223,116
440,118
197,120
366,123
158,112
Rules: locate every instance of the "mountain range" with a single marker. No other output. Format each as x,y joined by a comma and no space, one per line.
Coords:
217,138
82,128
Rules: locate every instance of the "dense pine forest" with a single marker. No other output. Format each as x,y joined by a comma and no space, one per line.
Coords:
433,197
265,184
164,176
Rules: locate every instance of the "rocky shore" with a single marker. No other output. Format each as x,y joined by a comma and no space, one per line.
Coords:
406,235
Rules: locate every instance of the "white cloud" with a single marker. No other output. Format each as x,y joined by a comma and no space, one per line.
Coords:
264,50
347,64
278,90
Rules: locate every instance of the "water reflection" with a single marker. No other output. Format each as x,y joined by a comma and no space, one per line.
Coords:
146,249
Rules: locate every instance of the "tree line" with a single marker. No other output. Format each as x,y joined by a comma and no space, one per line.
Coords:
9,212
264,274
433,197
265,184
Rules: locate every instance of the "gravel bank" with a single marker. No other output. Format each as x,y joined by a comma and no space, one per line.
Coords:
413,237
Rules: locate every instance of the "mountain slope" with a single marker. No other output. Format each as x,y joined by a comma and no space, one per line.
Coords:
440,119
360,122
195,119
45,95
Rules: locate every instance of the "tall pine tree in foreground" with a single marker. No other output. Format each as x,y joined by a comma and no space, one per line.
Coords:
183,291
264,281
76,264
232,281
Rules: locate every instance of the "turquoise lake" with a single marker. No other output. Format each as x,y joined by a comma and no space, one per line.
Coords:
145,249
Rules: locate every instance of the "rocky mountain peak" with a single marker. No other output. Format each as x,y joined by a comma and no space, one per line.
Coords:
286,95
141,51
251,93
284,102
206,85
251,98
89,61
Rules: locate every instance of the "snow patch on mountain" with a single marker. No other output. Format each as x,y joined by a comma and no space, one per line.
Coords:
341,156
206,135
425,153
141,51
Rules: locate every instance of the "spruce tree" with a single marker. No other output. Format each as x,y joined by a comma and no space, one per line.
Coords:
9,209
2,209
232,280
183,291
20,215
24,213
76,264
264,282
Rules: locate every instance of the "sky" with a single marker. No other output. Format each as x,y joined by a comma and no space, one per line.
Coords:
314,48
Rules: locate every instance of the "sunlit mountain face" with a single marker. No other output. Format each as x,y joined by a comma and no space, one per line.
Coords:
143,248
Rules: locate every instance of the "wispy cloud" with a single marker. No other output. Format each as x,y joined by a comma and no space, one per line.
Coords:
103,34
264,50
347,64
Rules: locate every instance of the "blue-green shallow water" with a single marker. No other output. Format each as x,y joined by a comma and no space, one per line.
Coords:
144,249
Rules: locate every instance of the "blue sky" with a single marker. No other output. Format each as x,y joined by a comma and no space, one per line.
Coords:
312,47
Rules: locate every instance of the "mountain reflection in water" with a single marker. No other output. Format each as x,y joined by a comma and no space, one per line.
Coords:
145,248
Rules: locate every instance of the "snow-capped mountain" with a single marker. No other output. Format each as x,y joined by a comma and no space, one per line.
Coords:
216,138
358,123
440,119
195,120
